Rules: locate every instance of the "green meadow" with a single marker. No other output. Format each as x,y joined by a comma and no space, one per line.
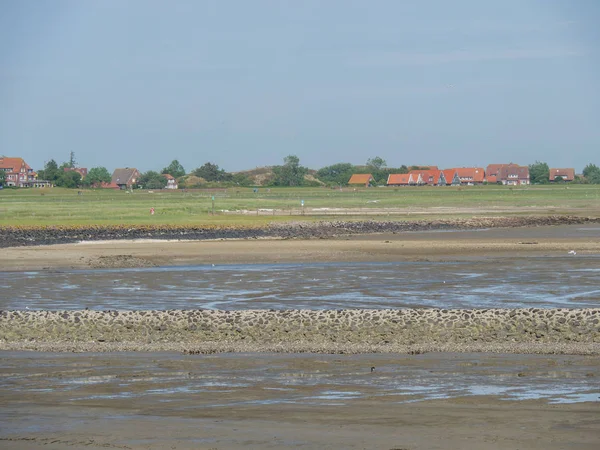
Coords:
244,207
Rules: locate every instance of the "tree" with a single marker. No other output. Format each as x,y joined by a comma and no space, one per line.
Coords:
2,177
97,176
336,174
290,174
152,180
376,164
539,172
175,169
591,172
50,172
69,179
211,172
241,179
72,163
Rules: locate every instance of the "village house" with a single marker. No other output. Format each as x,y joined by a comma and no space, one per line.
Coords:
171,181
80,170
364,179
470,175
125,178
564,174
491,173
18,173
513,175
450,177
400,179
437,177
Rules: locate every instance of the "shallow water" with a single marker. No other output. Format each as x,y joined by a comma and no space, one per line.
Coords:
183,382
569,281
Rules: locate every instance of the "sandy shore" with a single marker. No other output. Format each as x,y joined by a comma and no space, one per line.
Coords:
381,247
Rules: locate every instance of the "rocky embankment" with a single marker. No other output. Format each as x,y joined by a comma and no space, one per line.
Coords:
332,331
45,235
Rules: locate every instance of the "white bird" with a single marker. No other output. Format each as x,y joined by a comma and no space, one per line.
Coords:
572,252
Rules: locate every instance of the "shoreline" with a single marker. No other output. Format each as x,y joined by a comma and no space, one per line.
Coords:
400,247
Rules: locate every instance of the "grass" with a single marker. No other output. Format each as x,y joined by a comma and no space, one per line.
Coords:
58,206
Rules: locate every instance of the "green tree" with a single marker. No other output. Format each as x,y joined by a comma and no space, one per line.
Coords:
591,172
175,169
50,172
241,179
69,179
2,177
96,176
539,172
290,174
72,163
152,180
336,174
376,164
212,172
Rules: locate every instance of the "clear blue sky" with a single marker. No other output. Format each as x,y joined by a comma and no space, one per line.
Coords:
245,83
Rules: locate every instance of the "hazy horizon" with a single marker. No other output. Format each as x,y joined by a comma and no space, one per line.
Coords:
244,84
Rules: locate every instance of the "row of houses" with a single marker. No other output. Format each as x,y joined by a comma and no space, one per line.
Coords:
506,174
17,173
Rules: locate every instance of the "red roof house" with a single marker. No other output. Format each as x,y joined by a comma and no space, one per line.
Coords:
361,178
565,174
400,179
471,175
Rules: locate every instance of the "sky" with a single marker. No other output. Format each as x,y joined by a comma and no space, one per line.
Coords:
243,84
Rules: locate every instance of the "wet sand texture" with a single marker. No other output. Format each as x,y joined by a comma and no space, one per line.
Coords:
331,331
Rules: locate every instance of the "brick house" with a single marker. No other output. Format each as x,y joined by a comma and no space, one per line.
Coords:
125,178
18,173
470,175
513,175
565,174
80,170
491,172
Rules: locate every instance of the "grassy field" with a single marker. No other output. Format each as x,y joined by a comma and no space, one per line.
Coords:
56,206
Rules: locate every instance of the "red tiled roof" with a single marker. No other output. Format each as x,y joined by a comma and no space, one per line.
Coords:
16,164
475,174
513,171
168,176
360,178
449,175
565,174
399,179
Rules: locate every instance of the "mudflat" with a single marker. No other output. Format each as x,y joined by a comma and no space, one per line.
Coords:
430,400
229,401
376,247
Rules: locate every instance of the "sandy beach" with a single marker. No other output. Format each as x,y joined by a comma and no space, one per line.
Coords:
379,247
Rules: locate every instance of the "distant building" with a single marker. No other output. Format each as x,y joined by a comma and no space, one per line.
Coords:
470,175
491,172
361,178
125,178
513,175
80,170
400,179
171,181
564,174
18,173
451,177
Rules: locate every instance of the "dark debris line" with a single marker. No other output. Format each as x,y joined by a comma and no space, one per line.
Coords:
27,236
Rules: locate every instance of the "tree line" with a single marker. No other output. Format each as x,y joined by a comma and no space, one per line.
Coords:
291,173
